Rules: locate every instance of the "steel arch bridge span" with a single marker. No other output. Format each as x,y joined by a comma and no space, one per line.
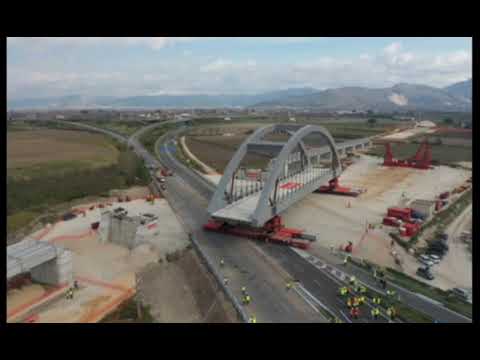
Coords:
259,201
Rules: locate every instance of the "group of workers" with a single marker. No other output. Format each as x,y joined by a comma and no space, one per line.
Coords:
69,293
355,301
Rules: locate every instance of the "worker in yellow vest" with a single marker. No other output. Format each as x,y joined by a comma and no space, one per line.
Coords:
375,313
252,319
355,302
289,285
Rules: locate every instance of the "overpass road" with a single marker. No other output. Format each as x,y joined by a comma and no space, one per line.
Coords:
262,268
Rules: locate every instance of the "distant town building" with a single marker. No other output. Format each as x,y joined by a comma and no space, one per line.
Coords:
227,118
426,124
404,118
60,117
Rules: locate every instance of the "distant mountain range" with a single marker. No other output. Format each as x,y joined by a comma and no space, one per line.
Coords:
401,97
462,89
456,97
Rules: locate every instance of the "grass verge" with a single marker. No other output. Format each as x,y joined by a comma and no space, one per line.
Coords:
441,154
128,313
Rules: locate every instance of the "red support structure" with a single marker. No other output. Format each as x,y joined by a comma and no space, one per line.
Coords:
388,159
421,160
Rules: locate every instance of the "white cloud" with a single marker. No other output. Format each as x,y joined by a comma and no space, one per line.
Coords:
224,74
393,48
154,43
221,65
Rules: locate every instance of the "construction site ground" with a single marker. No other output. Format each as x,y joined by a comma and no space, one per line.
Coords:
106,272
335,223
455,269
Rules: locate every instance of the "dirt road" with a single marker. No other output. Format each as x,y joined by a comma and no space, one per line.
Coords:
455,270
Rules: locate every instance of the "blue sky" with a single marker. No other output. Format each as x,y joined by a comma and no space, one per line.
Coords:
40,67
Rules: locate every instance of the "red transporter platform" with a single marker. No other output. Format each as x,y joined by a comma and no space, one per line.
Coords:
334,188
273,231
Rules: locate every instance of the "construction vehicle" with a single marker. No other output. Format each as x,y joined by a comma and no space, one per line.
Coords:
421,160
166,172
273,231
334,188
349,247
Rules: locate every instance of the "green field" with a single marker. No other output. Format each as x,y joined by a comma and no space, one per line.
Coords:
48,167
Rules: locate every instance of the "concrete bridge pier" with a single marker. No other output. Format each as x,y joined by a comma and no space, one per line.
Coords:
56,271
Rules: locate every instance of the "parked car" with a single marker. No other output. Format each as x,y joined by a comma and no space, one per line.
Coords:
425,273
424,257
437,252
443,236
435,258
428,263
426,260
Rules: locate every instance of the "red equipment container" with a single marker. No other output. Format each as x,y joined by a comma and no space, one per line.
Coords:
400,213
95,225
390,221
438,205
411,229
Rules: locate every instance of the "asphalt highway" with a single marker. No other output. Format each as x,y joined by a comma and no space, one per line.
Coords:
262,268
313,279
316,288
